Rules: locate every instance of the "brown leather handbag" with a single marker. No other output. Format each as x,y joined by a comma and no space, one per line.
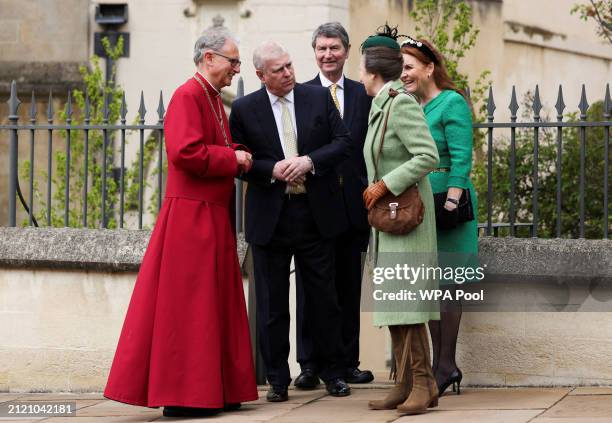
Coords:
397,215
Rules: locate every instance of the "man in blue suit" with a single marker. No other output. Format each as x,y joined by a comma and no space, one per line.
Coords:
293,209
331,46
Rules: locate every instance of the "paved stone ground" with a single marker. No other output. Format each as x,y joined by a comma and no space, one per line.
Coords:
474,405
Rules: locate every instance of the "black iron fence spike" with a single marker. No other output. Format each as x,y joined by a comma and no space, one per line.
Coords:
607,103
69,107
537,104
142,111
560,105
161,109
514,106
123,110
87,107
490,105
584,104
13,100
240,88
106,109
50,110
33,111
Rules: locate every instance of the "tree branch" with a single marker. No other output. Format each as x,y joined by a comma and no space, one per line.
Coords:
602,23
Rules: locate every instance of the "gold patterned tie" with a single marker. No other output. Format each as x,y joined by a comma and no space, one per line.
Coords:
290,142
333,88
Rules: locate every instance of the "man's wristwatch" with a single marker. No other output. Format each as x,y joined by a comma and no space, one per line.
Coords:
452,200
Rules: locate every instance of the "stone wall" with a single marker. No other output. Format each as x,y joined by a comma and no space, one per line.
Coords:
60,328
42,43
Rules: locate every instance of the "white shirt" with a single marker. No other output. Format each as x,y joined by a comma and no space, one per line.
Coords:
339,90
276,109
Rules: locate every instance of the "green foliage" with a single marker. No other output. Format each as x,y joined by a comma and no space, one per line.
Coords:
97,89
547,178
132,174
448,24
601,12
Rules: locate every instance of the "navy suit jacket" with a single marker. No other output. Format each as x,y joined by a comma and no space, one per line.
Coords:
321,135
356,110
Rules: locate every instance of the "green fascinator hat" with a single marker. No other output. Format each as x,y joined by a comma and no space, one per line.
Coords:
385,37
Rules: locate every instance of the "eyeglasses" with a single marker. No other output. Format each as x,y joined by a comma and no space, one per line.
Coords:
232,61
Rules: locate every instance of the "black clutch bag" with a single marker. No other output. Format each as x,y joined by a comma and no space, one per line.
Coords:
446,219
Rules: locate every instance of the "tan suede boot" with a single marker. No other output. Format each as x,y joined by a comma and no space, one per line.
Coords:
424,392
403,379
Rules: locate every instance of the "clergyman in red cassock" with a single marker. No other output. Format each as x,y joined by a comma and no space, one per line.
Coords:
185,341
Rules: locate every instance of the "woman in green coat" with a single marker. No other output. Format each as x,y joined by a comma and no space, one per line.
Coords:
408,155
450,121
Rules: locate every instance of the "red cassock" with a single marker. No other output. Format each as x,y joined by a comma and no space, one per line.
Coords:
185,340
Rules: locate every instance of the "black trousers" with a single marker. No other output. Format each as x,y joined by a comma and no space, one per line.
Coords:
296,235
349,247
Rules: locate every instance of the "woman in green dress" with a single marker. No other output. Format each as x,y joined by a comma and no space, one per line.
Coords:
408,155
449,118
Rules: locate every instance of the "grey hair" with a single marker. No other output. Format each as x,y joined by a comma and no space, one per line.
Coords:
267,50
211,39
331,30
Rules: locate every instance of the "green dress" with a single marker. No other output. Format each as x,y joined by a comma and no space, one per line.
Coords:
408,155
450,122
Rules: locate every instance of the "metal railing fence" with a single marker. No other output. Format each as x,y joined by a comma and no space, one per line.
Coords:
104,154
539,128
506,206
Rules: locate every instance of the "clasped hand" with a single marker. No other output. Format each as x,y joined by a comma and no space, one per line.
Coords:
292,170
245,160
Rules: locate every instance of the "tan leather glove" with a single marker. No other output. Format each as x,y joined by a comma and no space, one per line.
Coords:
373,193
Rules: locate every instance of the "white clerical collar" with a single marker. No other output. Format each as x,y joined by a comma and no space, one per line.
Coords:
326,82
383,88
274,98
209,83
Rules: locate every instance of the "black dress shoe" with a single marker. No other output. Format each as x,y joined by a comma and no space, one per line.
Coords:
338,388
172,411
308,379
277,393
354,375
232,406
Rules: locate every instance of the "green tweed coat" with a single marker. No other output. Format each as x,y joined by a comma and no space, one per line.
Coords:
409,154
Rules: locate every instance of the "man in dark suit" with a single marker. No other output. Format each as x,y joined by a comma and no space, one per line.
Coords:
331,47
293,209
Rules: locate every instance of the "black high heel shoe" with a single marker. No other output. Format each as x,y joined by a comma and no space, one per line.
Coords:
455,380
